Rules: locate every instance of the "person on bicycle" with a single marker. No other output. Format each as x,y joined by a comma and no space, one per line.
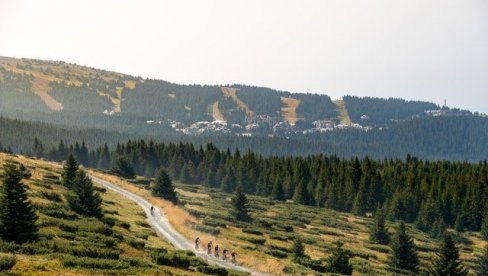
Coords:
217,251
224,254
233,256
209,248
152,210
197,243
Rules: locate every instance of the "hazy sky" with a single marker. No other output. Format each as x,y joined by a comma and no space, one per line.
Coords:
414,49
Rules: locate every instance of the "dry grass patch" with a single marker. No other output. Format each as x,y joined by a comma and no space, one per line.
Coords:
289,111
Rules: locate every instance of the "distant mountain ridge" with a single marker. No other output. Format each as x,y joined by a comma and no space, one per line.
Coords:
51,86
69,102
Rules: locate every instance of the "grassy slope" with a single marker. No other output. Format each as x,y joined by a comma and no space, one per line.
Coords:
319,228
130,226
343,114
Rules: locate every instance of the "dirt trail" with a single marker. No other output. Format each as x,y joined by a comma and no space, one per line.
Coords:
163,227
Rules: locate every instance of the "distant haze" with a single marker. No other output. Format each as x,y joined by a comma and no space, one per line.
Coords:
413,49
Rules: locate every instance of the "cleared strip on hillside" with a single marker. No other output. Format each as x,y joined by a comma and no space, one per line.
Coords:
216,114
289,111
231,92
343,114
40,87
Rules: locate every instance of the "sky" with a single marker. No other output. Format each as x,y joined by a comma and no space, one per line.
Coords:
413,49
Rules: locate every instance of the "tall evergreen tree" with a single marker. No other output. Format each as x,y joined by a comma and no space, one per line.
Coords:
82,198
484,227
240,206
378,232
163,187
123,168
17,216
482,264
301,195
70,168
338,261
278,193
447,262
298,249
404,254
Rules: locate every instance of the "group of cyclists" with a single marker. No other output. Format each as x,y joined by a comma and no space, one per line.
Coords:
216,249
210,246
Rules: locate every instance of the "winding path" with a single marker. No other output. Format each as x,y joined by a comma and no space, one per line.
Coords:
163,227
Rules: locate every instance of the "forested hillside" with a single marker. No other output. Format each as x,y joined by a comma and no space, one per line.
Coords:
452,194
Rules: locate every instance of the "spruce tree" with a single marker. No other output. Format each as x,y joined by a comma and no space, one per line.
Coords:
163,187
17,216
298,249
338,262
240,206
300,195
379,233
404,256
482,265
484,227
277,193
82,198
69,171
123,168
447,261
438,228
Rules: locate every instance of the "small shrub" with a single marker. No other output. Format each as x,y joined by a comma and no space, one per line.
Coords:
286,228
207,229
33,249
7,262
277,253
8,247
255,240
49,196
57,211
174,259
123,224
215,222
99,189
137,244
280,237
143,236
253,231
266,224
212,270
143,223
68,227
66,235
196,213
84,262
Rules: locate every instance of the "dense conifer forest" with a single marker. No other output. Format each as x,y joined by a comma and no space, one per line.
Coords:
451,194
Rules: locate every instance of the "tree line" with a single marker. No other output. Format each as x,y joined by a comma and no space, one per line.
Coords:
433,195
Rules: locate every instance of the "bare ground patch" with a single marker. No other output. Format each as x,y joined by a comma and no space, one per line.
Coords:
216,114
289,111
40,87
231,92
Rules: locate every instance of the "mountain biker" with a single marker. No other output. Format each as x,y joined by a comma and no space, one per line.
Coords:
197,243
217,251
224,254
233,256
209,248
152,210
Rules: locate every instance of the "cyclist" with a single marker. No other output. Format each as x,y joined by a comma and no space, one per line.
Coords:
233,256
152,210
197,243
209,248
217,251
224,254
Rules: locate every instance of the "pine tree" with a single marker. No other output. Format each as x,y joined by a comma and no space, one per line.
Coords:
163,187
404,256
38,148
277,193
338,262
82,198
459,225
69,171
123,168
240,206
298,249
300,195
17,216
484,227
482,266
438,228
447,261
378,232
